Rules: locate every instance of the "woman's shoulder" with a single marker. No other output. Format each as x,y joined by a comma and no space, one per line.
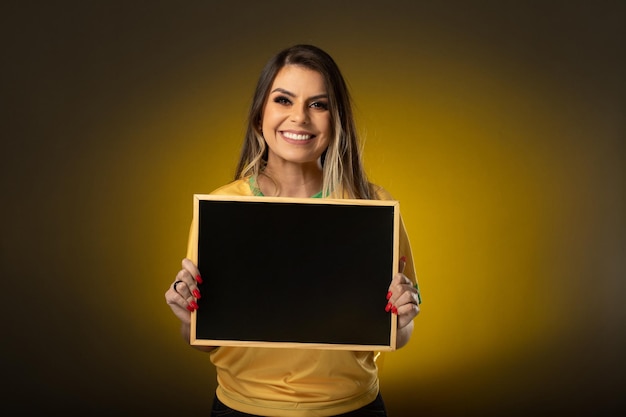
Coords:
237,187
380,193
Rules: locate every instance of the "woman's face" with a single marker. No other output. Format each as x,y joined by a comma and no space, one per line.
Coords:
296,121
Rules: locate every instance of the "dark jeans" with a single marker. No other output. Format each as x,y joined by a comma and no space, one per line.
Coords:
374,409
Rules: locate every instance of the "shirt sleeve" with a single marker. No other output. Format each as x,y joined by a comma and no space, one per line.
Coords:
404,242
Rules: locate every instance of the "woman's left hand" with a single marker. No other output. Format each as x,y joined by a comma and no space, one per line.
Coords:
403,298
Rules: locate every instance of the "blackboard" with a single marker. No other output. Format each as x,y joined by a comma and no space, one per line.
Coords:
286,272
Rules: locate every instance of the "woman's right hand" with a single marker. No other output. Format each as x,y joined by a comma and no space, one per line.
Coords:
183,293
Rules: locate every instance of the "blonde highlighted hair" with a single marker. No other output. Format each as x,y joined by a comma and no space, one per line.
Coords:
343,172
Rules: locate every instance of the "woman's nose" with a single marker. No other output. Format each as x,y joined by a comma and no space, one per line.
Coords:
299,114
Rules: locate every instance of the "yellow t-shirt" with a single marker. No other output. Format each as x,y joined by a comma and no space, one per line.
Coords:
285,382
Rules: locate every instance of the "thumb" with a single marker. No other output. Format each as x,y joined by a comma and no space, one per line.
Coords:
402,264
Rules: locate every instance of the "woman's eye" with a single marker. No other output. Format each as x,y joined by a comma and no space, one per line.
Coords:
282,100
319,105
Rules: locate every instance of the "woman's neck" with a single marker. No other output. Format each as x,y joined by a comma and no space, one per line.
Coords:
292,180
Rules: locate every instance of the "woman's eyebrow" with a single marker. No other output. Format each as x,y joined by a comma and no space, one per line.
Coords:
282,90
290,94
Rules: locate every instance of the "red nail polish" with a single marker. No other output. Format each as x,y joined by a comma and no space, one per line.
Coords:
196,293
389,294
199,279
394,310
193,305
388,307
189,307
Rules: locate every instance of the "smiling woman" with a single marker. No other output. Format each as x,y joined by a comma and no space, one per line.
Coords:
300,142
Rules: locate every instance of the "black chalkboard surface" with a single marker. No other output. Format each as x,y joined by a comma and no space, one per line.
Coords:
285,272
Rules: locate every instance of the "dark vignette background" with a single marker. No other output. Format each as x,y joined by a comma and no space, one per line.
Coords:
499,125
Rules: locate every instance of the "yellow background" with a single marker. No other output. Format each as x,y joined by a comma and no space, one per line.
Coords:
498,125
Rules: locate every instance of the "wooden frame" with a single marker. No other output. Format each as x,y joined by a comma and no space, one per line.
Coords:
298,273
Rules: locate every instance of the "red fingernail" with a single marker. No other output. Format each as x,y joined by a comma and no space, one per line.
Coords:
389,294
403,259
189,307
199,279
196,293
193,304
394,310
388,307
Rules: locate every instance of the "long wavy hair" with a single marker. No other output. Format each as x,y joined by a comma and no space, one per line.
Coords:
342,167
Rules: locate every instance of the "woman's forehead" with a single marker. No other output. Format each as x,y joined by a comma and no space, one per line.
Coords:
301,78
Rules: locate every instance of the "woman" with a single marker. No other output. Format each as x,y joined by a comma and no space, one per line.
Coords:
301,141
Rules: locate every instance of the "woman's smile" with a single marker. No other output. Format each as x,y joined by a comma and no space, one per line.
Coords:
296,137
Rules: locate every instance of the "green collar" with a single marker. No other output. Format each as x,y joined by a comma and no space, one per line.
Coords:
257,191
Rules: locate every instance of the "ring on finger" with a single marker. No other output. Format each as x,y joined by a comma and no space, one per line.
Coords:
175,284
419,295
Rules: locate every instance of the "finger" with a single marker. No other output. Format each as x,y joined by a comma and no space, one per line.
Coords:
408,296
399,281
192,269
176,284
402,264
408,311
406,314
178,301
394,287
401,292
183,283
191,276
181,287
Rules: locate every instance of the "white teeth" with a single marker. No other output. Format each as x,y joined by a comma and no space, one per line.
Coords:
295,136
